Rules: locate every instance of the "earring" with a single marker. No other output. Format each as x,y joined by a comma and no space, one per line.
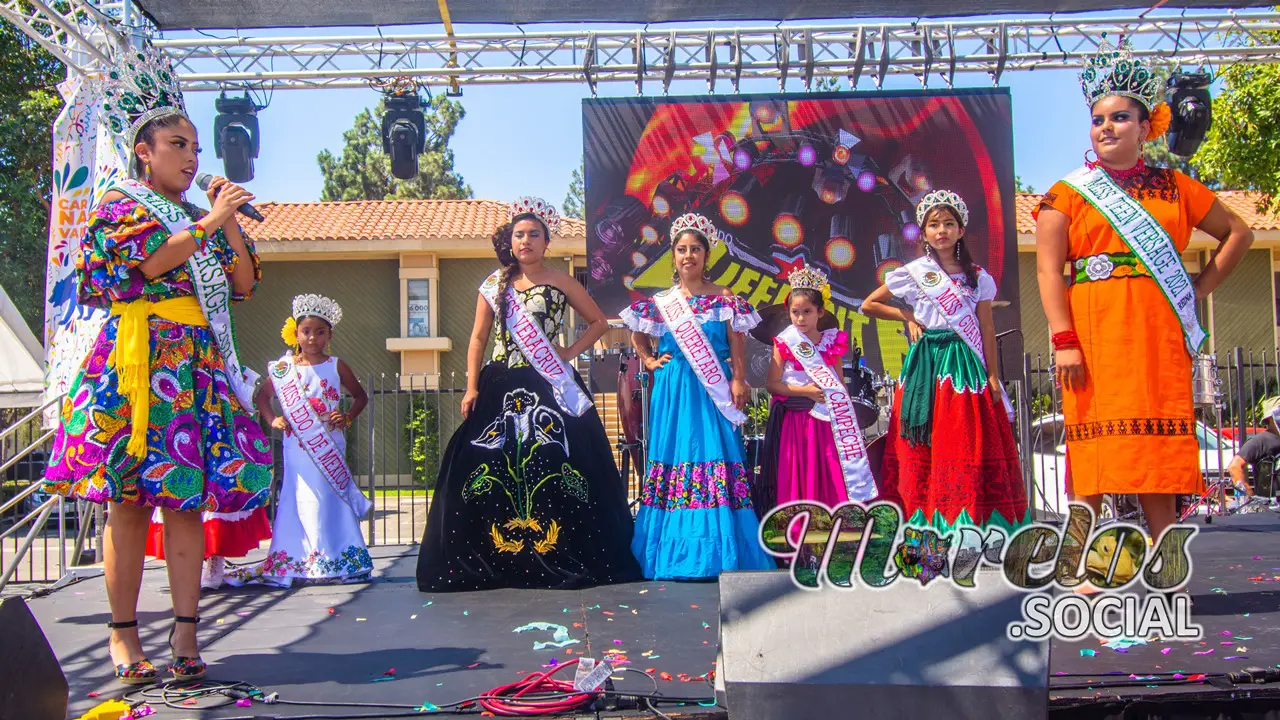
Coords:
958,248
146,171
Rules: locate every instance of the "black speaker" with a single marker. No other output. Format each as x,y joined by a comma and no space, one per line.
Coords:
900,652
32,686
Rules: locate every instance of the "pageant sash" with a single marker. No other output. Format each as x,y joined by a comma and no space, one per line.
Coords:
851,448
313,434
943,292
210,281
537,348
1148,239
678,315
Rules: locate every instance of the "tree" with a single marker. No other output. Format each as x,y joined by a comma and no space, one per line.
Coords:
575,200
1241,150
1019,186
29,103
826,84
363,172
1157,154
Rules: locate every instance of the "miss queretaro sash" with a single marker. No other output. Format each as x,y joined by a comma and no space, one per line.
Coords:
945,295
1148,239
850,445
678,315
210,281
538,350
312,433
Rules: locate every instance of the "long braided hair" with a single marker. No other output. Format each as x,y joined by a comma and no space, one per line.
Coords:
962,250
510,266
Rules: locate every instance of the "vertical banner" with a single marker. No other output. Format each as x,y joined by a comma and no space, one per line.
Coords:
87,157
829,180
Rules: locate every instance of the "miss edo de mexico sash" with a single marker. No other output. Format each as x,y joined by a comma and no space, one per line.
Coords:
943,292
210,281
1148,239
313,434
676,312
850,446
537,349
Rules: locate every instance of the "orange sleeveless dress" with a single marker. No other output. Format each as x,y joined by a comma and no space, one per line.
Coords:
1132,428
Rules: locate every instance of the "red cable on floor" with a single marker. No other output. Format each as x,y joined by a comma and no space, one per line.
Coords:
496,700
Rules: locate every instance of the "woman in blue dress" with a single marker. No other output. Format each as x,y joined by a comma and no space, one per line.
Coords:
695,518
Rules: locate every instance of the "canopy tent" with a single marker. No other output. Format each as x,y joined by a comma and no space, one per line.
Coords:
21,359
234,14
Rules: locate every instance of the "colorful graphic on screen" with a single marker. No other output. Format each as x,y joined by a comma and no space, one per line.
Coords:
829,180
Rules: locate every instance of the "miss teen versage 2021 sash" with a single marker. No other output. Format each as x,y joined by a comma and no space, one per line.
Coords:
537,348
1148,239
683,325
943,292
210,281
312,433
850,445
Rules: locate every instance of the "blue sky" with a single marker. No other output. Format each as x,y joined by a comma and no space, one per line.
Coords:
527,139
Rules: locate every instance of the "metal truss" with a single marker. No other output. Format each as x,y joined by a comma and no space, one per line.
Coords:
82,34
655,58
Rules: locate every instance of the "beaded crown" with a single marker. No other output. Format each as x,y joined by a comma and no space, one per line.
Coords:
545,211
312,305
140,88
945,198
807,278
697,223
1115,71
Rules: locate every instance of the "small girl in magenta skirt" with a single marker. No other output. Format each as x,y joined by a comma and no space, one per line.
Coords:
800,459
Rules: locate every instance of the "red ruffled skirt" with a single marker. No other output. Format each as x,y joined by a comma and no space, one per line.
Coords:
223,536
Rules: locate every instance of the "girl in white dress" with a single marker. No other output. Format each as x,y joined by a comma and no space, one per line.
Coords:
316,536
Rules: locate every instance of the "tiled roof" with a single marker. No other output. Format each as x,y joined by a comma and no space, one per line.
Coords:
1245,204
388,220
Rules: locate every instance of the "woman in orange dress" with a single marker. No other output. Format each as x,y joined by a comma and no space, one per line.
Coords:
1122,352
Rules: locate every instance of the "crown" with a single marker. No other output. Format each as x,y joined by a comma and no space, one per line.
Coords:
696,223
140,88
1115,71
807,278
945,198
312,305
545,211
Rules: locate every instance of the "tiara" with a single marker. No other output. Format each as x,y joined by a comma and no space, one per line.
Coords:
944,198
140,88
312,305
1115,71
696,223
807,278
545,211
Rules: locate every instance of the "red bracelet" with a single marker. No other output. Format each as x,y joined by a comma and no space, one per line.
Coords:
1065,340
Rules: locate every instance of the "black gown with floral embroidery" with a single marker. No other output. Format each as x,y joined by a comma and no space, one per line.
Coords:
528,495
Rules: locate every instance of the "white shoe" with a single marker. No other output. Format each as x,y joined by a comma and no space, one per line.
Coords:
214,572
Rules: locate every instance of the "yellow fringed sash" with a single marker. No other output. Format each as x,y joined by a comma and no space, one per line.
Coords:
131,356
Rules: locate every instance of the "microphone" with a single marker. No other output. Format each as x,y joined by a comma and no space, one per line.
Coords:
202,182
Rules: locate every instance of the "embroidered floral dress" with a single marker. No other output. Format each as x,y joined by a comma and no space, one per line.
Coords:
316,537
1132,428
528,496
696,518
204,451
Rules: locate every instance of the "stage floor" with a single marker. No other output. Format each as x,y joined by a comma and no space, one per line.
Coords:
386,642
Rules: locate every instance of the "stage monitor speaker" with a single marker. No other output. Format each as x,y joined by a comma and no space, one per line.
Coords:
900,652
32,686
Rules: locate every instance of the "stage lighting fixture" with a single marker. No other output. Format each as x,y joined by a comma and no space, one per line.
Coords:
725,143
735,208
404,132
831,184
649,234
1192,106
885,268
617,227
911,232
840,154
788,228
669,197
807,155
866,181
839,251
235,136
745,154
765,113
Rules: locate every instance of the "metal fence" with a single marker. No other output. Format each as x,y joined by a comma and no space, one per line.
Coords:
396,445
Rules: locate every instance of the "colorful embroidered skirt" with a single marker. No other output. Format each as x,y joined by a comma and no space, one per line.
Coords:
696,518
204,451
964,469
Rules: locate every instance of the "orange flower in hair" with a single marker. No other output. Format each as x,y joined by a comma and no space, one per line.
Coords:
1161,117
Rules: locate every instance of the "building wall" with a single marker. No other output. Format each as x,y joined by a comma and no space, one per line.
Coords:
1242,307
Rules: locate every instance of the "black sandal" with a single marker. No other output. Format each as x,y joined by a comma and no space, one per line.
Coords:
185,668
139,673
